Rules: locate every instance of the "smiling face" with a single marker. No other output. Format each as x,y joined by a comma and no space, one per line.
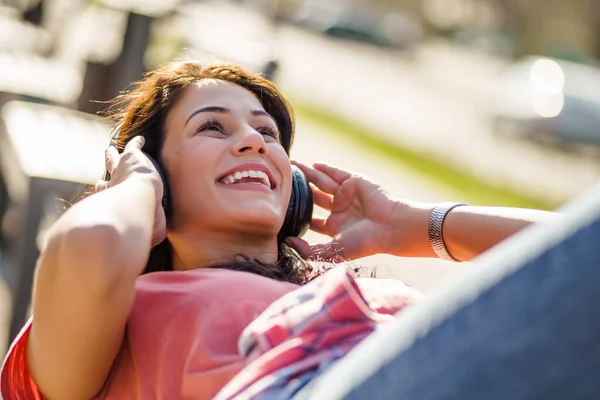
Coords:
226,167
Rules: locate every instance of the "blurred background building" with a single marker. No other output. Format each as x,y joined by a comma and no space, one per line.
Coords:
483,101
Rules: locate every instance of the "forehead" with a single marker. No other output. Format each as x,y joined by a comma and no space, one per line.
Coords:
213,92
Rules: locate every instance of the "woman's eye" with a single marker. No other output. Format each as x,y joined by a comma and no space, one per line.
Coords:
269,132
211,126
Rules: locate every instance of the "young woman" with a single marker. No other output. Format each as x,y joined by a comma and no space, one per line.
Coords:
131,303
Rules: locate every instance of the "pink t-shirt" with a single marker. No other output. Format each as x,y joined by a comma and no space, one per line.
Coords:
182,334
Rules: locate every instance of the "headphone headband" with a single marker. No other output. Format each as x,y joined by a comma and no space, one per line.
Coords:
114,135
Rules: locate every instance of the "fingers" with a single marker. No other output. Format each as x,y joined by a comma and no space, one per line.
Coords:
111,156
318,224
135,143
344,198
100,185
319,179
322,199
338,175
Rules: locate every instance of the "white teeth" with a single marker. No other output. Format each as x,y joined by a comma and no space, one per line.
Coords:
264,178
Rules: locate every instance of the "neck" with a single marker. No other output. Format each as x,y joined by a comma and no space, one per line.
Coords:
201,251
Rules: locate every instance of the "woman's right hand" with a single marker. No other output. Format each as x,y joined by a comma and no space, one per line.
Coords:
133,164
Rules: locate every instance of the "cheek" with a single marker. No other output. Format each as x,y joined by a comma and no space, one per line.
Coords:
191,174
282,163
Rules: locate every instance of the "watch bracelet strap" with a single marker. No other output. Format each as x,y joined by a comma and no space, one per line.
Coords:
435,229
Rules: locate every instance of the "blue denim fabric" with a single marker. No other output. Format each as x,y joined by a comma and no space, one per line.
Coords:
525,325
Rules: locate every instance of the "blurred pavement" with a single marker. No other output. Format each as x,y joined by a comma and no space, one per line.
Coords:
418,102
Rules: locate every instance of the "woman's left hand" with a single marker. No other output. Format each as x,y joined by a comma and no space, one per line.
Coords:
360,215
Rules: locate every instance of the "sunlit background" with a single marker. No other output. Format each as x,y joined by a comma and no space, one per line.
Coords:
493,102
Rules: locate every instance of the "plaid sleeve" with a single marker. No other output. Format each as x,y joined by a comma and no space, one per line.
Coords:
302,334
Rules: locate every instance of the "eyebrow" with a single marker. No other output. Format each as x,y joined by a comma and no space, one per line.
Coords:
223,110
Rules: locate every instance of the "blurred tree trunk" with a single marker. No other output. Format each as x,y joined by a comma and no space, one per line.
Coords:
594,15
35,13
515,20
103,82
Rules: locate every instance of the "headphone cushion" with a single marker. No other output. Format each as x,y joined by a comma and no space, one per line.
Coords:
300,208
166,199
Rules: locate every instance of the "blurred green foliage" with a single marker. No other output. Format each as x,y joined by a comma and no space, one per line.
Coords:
470,187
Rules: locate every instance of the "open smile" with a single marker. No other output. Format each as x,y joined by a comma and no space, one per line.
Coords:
248,177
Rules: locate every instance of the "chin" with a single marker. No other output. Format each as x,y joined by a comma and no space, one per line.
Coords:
259,216
260,221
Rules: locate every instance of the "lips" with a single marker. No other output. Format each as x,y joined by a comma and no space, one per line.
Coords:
249,173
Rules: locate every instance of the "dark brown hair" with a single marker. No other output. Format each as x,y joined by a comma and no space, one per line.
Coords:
142,110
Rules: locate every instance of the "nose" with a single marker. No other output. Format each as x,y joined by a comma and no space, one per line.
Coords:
251,142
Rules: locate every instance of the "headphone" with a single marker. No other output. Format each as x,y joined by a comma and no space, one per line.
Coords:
300,207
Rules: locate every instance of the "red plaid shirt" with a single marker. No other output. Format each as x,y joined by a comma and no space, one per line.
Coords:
303,333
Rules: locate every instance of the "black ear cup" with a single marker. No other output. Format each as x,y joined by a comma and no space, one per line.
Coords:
166,199
300,209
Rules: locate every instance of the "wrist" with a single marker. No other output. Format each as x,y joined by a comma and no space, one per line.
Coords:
407,233
437,222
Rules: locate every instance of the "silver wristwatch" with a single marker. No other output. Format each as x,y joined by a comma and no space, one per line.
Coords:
435,229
